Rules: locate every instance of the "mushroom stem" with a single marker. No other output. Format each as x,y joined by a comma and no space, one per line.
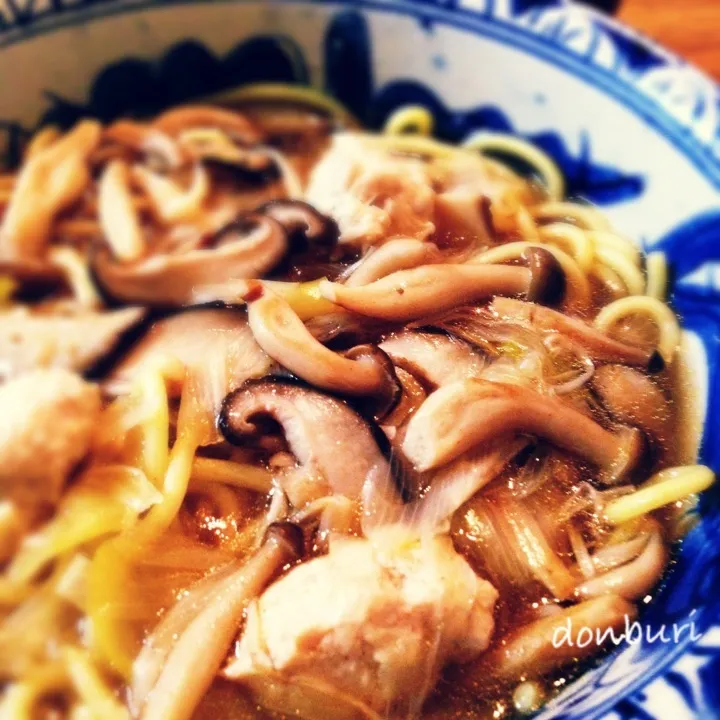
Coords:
50,181
169,683
410,294
461,415
544,645
284,337
599,346
634,579
395,255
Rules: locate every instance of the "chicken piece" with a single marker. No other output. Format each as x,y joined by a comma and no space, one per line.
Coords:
364,631
75,341
46,424
375,196
372,196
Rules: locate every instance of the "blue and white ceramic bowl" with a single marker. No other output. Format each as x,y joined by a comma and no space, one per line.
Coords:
636,130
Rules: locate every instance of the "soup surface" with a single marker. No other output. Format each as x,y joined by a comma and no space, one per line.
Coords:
298,420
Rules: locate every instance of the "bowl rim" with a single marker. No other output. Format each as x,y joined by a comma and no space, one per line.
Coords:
497,20
518,30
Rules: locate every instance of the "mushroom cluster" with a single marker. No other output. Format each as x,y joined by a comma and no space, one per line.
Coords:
315,403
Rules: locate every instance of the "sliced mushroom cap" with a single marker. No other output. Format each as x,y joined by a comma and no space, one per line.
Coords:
246,248
437,358
301,221
191,337
30,340
284,337
411,294
599,346
464,414
547,279
336,449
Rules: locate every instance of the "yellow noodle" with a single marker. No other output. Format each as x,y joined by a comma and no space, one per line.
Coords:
659,312
490,142
77,273
583,215
304,298
291,94
91,687
105,500
628,272
250,477
154,426
610,279
8,286
410,119
579,291
667,486
572,240
19,699
617,243
657,275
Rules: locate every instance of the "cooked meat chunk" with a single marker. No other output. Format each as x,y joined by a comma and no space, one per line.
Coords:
365,630
372,196
74,341
46,423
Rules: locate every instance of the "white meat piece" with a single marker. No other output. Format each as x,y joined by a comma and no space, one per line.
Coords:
47,418
364,631
73,341
371,195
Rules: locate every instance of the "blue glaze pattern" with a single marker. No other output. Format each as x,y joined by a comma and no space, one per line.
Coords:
637,82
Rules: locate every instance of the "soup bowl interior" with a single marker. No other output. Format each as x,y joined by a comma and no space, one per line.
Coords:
634,130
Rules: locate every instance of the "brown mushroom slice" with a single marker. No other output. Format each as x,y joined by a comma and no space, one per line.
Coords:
301,220
598,344
235,124
437,358
633,398
541,647
30,340
410,294
394,255
167,683
336,449
284,337
463,414
50,181
246,248
634,579
190,337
